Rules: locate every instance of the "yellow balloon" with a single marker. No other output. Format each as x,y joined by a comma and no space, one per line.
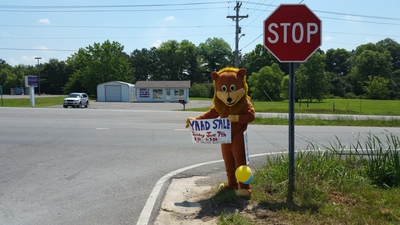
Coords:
243,174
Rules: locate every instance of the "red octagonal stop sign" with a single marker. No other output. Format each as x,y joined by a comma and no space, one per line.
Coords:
292,33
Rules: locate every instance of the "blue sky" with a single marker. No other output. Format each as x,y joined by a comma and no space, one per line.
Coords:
57,29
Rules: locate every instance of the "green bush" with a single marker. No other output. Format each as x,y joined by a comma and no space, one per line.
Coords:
199,90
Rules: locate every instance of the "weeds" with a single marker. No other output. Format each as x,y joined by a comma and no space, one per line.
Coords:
382,163
337,185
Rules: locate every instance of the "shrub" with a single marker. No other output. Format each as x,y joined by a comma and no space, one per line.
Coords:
199,90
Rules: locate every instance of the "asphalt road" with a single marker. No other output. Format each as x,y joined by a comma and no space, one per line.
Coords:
99,165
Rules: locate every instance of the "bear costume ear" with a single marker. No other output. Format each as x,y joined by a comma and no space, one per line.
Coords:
241,73
214,76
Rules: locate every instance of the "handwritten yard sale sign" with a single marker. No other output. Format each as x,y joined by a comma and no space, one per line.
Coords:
211,131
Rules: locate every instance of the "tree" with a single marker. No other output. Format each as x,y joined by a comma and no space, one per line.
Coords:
97,64
12,77
394,85
338,85
191,66
338,61
311,81
394,48
144,63
377,87
7,79
257,59
170,60
54,76
337,69
214,54
266,83
369,60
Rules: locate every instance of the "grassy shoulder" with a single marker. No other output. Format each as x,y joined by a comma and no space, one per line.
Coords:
332,186
335,122
329,106
39,102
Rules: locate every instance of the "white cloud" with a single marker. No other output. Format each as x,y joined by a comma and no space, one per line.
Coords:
23,59
353,18
328,38
13,62
42,48
169,18
156,43
45,20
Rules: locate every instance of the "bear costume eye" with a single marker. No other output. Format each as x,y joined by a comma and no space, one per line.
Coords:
232,87
224,88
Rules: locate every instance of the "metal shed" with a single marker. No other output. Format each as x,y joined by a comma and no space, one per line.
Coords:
116,91
162,91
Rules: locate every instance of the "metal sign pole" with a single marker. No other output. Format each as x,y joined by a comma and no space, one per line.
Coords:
292,47
291,132
32,95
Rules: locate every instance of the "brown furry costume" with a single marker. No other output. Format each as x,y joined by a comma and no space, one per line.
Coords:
231,101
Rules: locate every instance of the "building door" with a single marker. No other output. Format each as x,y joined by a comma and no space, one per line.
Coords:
168,95
113,93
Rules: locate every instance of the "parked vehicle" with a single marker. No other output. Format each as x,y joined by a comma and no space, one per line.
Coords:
76,100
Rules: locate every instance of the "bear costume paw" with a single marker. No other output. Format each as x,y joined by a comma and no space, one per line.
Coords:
244,192
223,186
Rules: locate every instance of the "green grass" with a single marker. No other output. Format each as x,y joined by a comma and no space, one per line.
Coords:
39,102
333,185
335,106
335,122
330,106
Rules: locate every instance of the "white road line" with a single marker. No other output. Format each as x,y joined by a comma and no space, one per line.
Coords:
149,206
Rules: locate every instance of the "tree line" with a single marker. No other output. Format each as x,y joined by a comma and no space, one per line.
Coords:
370,71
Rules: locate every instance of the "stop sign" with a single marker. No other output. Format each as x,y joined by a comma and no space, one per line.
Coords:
292,33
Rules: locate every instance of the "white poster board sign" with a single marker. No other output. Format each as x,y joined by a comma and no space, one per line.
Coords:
211,131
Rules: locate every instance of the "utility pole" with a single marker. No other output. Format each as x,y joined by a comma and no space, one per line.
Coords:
237,18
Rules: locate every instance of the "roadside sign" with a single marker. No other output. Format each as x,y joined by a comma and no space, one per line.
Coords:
292,33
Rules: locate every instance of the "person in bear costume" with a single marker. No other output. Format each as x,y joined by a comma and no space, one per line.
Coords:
231,101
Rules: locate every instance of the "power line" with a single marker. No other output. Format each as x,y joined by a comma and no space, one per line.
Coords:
35,49
337,13
115,27
116,10
133,37
111,8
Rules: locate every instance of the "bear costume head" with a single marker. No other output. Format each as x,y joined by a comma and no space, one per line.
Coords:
230,89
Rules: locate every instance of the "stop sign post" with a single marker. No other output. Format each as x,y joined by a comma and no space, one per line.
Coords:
292,33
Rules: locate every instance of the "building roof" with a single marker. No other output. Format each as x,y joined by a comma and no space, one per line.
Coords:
163,84
120,82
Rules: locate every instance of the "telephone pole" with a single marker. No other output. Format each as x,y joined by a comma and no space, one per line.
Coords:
237,18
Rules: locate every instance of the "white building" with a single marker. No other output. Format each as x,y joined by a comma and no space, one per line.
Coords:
116,91
162,91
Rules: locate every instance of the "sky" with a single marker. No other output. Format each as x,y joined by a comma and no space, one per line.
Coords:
57,29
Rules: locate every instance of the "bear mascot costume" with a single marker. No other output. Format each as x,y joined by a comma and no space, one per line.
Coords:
231,101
